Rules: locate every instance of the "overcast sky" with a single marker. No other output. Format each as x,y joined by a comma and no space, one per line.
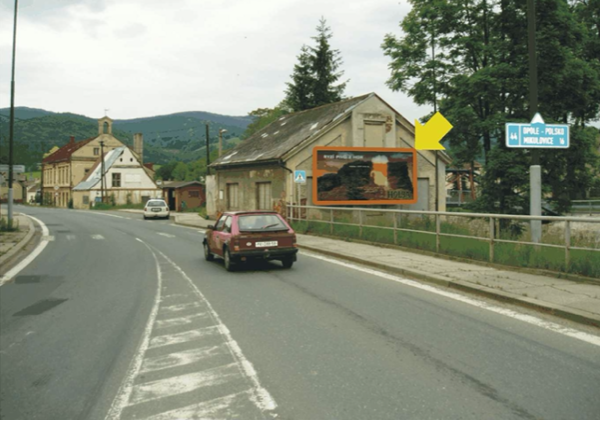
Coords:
140,58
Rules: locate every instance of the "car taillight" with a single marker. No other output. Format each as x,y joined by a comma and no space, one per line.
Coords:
145,209
167,209
236,244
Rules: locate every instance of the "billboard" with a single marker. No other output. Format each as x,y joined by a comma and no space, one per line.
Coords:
364,176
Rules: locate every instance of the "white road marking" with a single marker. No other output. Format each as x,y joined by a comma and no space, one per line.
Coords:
261,397
70,237
176,359
164,234
239,372
209,410
97,237
586,337
180,321
177,338
185,383
179,307
126,388
35,253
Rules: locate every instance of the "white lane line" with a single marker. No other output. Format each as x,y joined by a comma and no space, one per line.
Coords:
260,396
180,321
97,237
159,389
215,409
176,359
35,253
126,388
164,234
178,338
70,237
573,333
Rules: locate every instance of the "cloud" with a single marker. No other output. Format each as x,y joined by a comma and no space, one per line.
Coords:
141,58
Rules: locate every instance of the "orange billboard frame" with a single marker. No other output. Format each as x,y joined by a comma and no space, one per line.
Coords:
386,152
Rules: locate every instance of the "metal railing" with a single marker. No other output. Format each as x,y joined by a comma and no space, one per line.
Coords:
590,205
302,213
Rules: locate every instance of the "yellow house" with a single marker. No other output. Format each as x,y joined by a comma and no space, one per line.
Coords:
71,164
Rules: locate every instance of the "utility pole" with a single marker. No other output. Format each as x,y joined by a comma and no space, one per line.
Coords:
12,121
535,170
437,187
207,152
102,171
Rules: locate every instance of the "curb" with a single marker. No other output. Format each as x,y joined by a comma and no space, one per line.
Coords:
555,310
21,244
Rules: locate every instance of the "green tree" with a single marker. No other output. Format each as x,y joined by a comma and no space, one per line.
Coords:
165,172
316,76
470,57
180,171
299,95
325,63
262,118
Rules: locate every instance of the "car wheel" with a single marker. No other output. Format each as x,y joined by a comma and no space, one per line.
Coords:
145,217
287,262
207,254
228,262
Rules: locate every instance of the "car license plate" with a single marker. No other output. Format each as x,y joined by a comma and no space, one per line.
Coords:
156,209
266,244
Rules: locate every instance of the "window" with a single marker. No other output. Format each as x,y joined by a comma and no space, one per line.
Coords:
96,151
263,196
232,196
86,200
116,179
220,223
194,193
227,224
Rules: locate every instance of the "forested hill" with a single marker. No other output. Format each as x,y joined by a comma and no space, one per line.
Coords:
180,136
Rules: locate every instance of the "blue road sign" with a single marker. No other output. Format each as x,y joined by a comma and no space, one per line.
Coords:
300,176
537,134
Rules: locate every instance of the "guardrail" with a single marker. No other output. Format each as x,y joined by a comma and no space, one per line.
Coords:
493,222
592,205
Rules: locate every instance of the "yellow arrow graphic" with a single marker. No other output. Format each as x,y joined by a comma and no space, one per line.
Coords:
428,136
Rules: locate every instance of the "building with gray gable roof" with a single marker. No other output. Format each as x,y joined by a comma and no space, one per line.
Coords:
258,173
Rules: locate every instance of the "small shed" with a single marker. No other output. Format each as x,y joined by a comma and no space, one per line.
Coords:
181,195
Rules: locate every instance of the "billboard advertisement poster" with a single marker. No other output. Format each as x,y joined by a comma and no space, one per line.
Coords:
364,176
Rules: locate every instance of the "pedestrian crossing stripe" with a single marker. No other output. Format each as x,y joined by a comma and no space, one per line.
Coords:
300,176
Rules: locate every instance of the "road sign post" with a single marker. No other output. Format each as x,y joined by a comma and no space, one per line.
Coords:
536,135
299,178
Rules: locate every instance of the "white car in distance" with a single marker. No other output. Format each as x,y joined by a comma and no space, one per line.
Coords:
156,208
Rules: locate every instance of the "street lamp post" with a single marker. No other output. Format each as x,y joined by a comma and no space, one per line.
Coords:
221,131
12,120
102,171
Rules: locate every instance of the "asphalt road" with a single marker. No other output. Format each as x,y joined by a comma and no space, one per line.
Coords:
122,318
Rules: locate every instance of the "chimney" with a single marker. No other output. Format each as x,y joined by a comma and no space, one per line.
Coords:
138,146
72,140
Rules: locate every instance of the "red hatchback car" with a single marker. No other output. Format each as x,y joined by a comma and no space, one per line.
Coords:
242,236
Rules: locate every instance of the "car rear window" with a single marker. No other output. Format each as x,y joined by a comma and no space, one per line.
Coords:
156,203
261,223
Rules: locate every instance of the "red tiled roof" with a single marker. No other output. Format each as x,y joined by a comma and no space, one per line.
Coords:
66,151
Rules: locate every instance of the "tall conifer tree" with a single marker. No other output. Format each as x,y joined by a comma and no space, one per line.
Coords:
315,78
